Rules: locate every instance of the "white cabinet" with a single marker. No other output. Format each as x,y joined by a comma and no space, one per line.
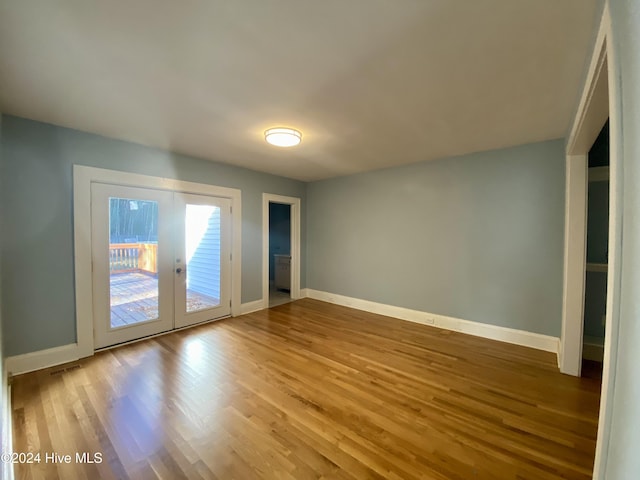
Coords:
282,272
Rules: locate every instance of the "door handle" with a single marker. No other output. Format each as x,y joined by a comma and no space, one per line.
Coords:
179,270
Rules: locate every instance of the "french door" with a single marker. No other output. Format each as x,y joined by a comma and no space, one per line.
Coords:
202,277
161,260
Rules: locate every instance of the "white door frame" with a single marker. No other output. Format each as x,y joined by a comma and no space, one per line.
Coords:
599,100
592,113
83,177
295,244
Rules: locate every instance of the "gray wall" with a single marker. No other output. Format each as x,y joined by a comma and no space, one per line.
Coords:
478,237
36,199
623,437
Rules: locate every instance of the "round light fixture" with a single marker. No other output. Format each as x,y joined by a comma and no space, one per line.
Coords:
283,137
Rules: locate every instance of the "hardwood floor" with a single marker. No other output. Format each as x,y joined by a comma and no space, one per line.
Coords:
310,390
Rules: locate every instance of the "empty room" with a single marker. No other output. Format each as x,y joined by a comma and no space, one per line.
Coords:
343,239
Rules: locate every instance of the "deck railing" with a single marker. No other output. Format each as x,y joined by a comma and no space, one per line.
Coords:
132,257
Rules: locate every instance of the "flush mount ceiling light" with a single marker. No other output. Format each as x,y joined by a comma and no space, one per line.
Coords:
283,137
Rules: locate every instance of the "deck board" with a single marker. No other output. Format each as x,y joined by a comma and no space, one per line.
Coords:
134,298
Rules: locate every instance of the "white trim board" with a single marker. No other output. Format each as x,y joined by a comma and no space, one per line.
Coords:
83,177
575,235
597,96
30,362
493,332
251,307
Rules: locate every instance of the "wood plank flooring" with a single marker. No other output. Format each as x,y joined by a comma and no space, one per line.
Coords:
310,390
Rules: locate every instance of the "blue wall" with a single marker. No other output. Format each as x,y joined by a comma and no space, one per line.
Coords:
36,201
477,237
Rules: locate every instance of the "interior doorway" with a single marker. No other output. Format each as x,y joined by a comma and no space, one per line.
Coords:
595,292
280,249
279,253
592,115
599,101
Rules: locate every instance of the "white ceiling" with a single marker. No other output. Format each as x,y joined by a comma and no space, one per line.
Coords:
370,83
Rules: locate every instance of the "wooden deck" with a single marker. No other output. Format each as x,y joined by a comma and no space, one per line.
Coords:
310,390
134,298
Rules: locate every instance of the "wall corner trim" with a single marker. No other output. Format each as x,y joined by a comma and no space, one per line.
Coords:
251,307
50,357
493,332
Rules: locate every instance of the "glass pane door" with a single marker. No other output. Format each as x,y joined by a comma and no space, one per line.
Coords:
133,260
131,237
202,259
202,256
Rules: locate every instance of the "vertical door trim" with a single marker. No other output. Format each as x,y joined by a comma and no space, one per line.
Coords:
600,70
575,232
593,109
83,177
295,244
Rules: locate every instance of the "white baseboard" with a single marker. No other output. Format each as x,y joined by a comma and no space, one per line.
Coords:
493,332
304,292
251,307
30,362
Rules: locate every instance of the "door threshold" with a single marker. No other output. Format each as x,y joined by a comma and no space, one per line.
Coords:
155,335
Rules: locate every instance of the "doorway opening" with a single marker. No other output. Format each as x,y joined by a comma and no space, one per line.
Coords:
595,292
279,253
588,125
280,249
598,102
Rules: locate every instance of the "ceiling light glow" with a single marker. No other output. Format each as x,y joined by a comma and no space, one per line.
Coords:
283,137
